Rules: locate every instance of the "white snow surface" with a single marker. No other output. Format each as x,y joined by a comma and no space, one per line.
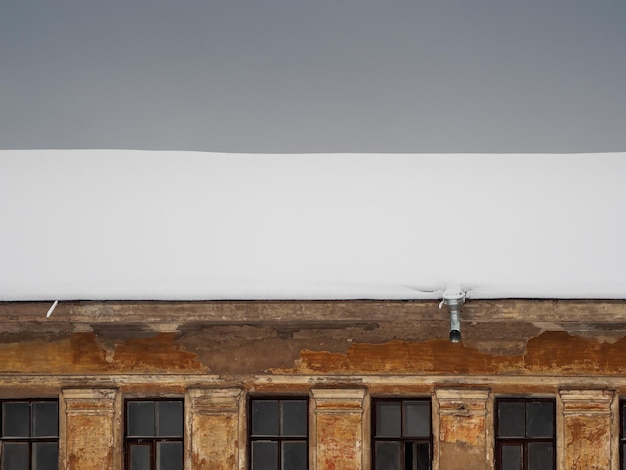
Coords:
170,225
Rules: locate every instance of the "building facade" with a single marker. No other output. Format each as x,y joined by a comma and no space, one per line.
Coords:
323,385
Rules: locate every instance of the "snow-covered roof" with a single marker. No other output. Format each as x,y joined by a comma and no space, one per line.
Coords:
168,225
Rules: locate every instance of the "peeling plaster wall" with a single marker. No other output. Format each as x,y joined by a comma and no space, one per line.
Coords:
246,350
371,348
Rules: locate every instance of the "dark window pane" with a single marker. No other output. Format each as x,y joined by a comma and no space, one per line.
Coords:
14,456
141,418
294,418
417,455
388,455
264,455
170,456
539,419
15,419
45,456
45,419
417,419
624,423
265,418
388,419
540,456
623,456
139,457
511,419
170,418
294,456
511,457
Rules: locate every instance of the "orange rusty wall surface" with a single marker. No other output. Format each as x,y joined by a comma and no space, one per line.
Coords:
339,441
216,438
248,350
465,430
85,451
549,353
459,456
587,439
84,353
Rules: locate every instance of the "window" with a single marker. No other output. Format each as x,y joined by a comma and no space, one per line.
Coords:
154,435
622,434
279,434
402,438
525,434
30,435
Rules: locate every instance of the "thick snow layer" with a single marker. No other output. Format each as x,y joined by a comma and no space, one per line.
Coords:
120,224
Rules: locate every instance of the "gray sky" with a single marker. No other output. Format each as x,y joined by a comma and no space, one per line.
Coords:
314,75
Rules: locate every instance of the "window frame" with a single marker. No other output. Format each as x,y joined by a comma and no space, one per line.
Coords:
500,441
151,440
279,439
622,437
404,439
30,440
